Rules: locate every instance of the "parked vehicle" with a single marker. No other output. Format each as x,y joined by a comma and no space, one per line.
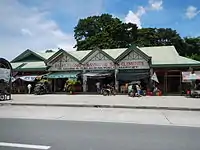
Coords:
40,88
108,91
132,91
194,92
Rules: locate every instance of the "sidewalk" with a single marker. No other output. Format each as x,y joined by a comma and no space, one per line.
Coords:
118,101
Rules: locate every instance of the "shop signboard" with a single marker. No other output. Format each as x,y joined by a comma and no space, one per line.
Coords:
106,64
65,66
133,64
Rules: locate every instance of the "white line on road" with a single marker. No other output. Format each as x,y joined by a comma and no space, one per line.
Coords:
24,145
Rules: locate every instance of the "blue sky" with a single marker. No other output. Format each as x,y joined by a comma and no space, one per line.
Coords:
48,24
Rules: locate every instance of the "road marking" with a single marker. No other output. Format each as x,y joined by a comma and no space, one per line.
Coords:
24,145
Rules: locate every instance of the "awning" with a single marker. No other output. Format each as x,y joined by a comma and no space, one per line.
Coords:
122,76
61,75
95,74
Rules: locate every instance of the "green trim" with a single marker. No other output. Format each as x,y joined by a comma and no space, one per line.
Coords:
93,51
129,50
174,65
25,54
58,53
30,69
57,75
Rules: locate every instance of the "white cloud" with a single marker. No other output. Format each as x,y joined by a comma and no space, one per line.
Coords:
191,12
26,32
135,17
24,28
156,4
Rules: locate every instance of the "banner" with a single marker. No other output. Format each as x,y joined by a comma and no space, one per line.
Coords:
188,76
154,77
28,78
5,74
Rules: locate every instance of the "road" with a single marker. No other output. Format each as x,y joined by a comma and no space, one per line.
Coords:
74,135
140,116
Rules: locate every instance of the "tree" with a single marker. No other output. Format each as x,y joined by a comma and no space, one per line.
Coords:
104,32
49,51
160,37
193,45
107,32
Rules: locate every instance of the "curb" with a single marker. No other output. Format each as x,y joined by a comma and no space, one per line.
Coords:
102,106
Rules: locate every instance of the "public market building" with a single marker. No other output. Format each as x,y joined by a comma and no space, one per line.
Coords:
117,66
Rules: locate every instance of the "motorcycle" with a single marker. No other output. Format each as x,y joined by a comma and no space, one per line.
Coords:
40,89
132,91
108,91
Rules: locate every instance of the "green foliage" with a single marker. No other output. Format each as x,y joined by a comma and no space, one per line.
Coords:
70,85
104,32
107,32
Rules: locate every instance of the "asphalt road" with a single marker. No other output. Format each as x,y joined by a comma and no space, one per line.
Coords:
73,135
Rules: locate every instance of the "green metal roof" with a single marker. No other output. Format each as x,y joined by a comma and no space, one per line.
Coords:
32,66
162,56
39,64
16,65
45,55
114,53
79,54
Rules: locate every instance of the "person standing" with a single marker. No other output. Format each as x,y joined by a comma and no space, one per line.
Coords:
29,88
98,87
138,89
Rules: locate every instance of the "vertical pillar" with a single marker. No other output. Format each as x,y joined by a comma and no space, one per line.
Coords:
116,82
180,82
165,82
84,82
54,85
150,84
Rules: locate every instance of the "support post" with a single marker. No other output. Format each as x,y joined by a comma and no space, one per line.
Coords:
84,82
165,83
116,82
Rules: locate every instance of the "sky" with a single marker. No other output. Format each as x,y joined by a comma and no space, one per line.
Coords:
48,24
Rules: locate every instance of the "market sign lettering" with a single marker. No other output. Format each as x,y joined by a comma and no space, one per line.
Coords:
70,65
98,65
136,64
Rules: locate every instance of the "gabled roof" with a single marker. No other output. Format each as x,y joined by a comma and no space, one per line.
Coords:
61,52
79,54
167,56
99,50
30,66
114,53
45,55
130,49
40,55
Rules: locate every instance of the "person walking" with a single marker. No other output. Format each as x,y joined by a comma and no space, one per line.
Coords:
29,88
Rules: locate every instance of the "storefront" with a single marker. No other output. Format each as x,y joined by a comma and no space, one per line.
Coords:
111,66
98,66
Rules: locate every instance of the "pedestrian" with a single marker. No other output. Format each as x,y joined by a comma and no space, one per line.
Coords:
98,87
138,89
29,88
